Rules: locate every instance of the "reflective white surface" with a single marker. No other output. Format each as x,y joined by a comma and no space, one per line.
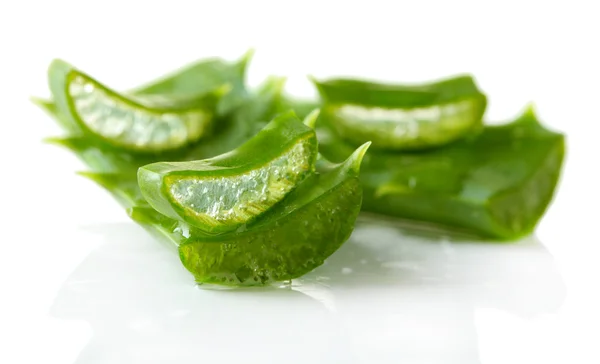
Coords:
386,296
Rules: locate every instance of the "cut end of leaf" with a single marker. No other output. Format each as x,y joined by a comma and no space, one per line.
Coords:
41,102
311,119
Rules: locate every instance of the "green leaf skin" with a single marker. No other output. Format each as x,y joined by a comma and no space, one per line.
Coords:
497,185
222,193
397,117
148,124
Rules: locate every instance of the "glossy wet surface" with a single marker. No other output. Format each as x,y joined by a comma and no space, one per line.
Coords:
385,296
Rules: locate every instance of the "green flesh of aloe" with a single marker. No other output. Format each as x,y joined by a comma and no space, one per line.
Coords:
398,117
222,193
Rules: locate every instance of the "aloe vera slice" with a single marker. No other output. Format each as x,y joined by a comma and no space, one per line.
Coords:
224,192
147,124
398,117
291,239
497,185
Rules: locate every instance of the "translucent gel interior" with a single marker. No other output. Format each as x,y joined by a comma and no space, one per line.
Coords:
114,119
239,198
403,122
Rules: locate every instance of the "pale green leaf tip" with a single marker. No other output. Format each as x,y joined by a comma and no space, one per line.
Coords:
279,82
247,57
102,179
528,115
39,101
311,119
355,160
54,140
96,177
530,109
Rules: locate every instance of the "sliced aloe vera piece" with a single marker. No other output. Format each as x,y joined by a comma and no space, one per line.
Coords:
224,192
400,117
497,185
292,239
148,124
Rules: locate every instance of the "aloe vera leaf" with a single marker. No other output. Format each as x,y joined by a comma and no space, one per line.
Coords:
290,240
400,117
224,192
143,125
497,185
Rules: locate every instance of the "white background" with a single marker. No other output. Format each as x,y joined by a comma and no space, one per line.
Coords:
61,234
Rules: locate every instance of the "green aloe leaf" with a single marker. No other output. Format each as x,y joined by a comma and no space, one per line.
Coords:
290,240
497,185
224,192
398,117
148,124
187,84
